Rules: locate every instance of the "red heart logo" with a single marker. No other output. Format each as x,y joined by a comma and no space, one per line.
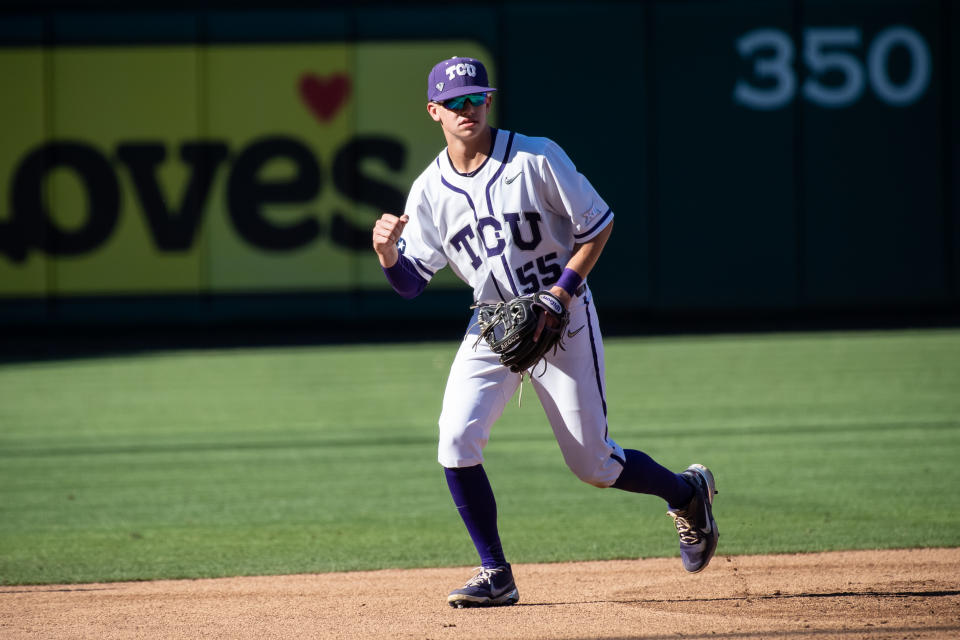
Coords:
324,96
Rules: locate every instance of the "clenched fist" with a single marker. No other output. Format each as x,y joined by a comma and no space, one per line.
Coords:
386,233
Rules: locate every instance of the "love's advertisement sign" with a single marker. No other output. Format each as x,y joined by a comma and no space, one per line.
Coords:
221,168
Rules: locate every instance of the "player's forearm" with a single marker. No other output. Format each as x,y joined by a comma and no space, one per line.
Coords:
388,256
585,255
404,279
584,258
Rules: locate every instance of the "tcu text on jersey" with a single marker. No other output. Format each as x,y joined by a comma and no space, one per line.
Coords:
488,235
487,238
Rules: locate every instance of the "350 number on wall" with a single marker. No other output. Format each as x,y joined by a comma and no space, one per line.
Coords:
831,51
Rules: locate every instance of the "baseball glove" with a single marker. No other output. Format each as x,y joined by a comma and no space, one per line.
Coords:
510,327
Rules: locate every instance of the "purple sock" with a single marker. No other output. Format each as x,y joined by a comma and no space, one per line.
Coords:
474,499
641,474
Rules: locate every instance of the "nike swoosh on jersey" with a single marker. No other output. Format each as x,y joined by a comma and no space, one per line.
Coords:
572,334
510,180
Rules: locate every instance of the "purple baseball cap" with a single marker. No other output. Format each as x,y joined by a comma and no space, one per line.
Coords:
457,77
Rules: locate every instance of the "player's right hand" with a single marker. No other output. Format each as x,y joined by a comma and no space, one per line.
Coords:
386,233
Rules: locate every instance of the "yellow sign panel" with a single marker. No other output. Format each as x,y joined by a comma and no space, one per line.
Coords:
23,127
183,169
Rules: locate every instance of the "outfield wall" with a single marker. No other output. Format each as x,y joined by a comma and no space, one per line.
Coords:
187,166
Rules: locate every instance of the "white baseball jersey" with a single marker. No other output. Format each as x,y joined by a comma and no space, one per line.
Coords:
507,228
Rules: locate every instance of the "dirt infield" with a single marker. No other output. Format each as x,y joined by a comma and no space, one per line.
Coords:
863,594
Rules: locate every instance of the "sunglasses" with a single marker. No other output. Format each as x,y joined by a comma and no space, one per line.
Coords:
454,104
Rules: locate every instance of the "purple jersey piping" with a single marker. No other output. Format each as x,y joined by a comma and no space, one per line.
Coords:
596,372
424,268
496,175
466,195
503,165
499,293
596,363
506,268
594,227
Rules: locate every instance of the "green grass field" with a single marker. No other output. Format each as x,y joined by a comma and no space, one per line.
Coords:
271,461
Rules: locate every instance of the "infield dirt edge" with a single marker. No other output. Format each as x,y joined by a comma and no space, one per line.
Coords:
913,593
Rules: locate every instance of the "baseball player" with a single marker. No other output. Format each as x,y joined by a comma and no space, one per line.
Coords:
511,215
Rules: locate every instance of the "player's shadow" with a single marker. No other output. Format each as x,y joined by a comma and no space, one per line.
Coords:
42,589
772,596
806,632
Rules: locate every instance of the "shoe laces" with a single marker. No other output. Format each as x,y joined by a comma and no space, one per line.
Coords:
484,575
689,534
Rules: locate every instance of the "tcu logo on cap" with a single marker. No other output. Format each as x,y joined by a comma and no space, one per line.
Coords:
462,69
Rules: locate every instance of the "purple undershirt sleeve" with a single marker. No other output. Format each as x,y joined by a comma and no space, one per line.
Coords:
404,279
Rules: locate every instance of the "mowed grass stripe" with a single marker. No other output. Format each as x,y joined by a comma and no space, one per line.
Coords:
262,461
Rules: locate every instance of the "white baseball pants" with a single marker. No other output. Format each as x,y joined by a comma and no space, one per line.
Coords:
572,390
